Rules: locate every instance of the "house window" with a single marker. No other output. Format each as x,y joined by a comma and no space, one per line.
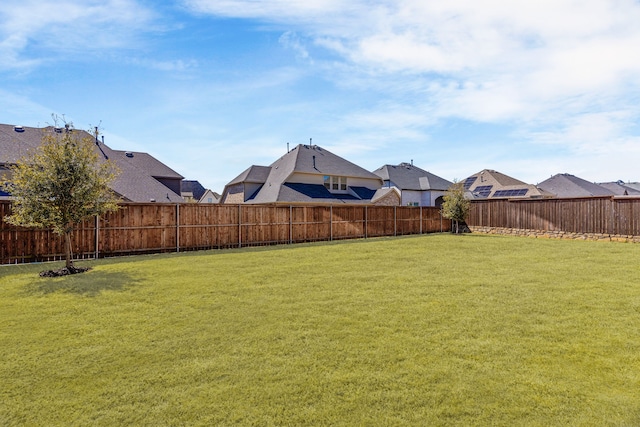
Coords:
335,183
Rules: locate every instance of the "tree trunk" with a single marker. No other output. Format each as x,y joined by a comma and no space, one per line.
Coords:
67,250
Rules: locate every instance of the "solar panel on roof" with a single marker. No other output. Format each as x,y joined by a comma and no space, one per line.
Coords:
482,190
255,193
364,192
469,182
314,191
511,193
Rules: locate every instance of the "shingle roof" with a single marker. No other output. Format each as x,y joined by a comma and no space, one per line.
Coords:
490,183
305,160
193,187
406,176
619,188
253,174
567,185
132,183
147,162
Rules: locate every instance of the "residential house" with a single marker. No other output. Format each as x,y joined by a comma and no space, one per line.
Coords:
210,196
308,174
416,186
154,167
141,177
492,184
191,191
564,185
620,188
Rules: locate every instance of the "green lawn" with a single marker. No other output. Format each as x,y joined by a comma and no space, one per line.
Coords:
426,330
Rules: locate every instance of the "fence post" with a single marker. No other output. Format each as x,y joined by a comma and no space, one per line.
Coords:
239,226
331,223
613,221
420,219
97,252
290,224
395,220
177,227
366,222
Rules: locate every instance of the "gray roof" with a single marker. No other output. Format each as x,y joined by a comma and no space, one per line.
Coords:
406,176
253,174
634,185
489,183
619,188
193,187
498,177
303,160
147,162
133,183
567,185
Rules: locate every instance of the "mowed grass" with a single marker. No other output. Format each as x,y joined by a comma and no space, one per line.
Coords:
426,330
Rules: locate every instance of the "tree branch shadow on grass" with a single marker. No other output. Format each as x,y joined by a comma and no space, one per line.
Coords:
86,284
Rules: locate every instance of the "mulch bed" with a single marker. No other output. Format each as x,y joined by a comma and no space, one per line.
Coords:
64,271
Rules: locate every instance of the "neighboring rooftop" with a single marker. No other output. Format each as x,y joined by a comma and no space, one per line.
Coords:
406,176
489,183
145,161
192,190
134,182
620,188
566,185
298,177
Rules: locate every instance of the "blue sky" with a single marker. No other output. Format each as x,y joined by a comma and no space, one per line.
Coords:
210,87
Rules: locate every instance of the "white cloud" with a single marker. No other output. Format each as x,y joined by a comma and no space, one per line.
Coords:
70,27
539,64
292,41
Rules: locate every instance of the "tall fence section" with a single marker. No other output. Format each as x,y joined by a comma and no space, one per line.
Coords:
152,228
596,217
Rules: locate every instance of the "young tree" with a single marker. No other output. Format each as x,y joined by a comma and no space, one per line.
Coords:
456,207
60,184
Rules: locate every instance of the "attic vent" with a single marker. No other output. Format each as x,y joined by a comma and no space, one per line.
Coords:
128,154
57,129
18,128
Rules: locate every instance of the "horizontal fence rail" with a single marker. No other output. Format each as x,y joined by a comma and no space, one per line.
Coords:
593,215
155,228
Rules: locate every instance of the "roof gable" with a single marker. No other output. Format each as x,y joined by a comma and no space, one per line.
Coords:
317,160
307,160
490,183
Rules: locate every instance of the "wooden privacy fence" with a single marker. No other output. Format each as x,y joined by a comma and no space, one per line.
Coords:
594,215
151,227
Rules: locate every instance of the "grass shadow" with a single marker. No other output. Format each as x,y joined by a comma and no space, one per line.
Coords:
90,283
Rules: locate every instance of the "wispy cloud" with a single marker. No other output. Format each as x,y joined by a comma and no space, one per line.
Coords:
543,64
66,27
